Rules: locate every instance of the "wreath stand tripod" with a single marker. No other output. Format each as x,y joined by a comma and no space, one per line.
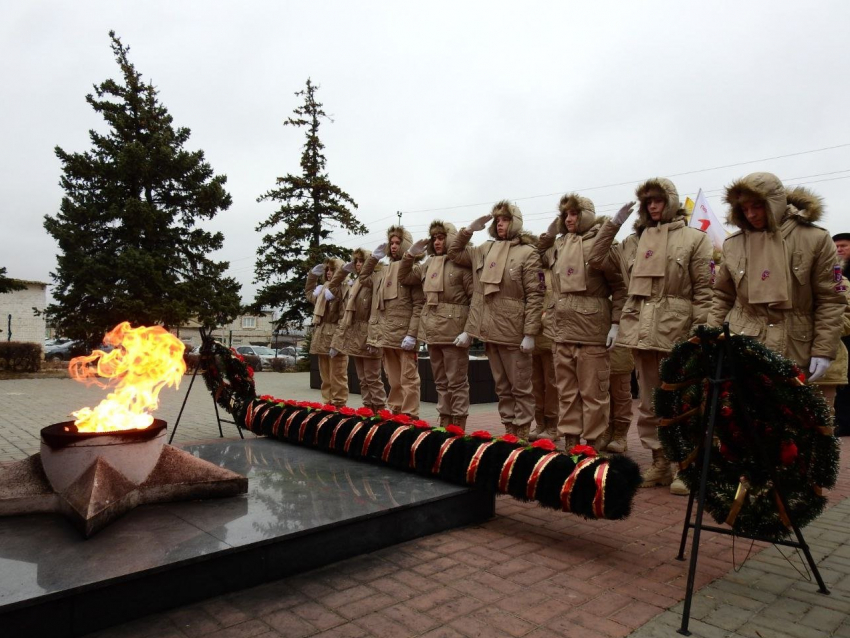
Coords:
204,337
725,371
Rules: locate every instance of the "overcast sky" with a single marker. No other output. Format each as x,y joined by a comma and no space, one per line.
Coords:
440,108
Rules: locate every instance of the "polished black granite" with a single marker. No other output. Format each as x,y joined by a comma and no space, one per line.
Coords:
303,509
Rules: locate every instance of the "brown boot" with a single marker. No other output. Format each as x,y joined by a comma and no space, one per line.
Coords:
570,441
522,431
619,443
603,439
539,428
510,428
659,472
678,487
445,420
460,421
551,432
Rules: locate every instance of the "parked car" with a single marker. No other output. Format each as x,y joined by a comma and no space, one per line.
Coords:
287,355
64,351
266,355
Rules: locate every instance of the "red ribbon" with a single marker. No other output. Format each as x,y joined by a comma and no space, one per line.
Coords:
443,449
472,470
415,446
543,461
600,476
507,469
567,489
350,438
368,440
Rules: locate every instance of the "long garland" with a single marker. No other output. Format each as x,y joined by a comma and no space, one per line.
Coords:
771,430
577,482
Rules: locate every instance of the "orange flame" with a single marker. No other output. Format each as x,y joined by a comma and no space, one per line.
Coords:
143,362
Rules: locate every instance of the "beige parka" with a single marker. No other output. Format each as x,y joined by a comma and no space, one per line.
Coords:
399,318
324,327
350,336
583,317
681,298
813,325
516,309
440,324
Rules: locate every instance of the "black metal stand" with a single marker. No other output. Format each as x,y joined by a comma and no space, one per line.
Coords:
726,364
218,418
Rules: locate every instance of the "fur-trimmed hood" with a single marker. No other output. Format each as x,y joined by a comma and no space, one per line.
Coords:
779,201
437,227
332,263
406,240
364,254
505,208
673,208
586,211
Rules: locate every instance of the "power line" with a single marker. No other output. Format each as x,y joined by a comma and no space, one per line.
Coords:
632,181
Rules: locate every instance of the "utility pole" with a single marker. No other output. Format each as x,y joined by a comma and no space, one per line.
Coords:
398,212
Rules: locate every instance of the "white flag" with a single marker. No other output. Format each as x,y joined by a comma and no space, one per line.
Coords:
704,219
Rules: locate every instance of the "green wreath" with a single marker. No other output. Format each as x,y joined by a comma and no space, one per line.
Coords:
771,430
227,376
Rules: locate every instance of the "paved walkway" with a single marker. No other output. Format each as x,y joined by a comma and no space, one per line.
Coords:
528,572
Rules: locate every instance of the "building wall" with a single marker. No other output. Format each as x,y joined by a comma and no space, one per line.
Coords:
19,304
241,333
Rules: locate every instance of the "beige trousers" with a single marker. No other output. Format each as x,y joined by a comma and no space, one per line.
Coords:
402,368
334,373
646,368
544,388
511,370
372,391
582,373
621,401
829,393
450,366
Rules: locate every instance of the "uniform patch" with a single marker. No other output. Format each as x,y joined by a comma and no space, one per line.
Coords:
570,271
433,274
765,275
836,273
648,254
492,264
841,288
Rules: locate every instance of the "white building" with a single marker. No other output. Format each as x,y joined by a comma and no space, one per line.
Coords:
17,316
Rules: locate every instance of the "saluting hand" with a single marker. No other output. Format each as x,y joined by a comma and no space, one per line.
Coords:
479,223
418,248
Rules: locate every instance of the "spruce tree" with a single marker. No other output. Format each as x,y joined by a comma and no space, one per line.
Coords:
7,284
132,246
311,207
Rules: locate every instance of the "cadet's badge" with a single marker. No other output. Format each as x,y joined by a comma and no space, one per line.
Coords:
765,275
836,273
570,271
648,254
492,264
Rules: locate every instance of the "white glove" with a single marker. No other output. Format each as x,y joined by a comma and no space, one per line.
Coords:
817,368
349,267
611,339
623,214
318,290
318,270
418,248
553,227
329,295
380,252
332,352
527,344
479,223
463,340
408,343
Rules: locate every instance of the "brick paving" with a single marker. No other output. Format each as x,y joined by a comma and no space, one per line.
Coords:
527,572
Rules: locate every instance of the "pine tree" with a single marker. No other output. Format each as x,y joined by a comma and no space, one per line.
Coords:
310,207
128,227
7,284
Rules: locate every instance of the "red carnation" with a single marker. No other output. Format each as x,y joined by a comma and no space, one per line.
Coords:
544,444
364,412
290,402
266,397
582,450
327,407
422,425
400,418
345,410
250,372
788,452
455,430
686,407
385,414
509,438
726,411
482,434
315,405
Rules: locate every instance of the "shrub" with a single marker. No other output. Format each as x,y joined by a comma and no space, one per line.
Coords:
18,356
